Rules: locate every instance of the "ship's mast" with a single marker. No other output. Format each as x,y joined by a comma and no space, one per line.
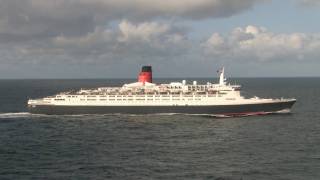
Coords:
221,79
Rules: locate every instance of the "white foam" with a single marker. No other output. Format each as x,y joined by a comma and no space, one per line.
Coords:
15,115
284,111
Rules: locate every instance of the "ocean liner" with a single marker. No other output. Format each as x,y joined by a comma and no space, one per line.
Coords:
146,97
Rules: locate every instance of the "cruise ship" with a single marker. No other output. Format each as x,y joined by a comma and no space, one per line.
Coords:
146,97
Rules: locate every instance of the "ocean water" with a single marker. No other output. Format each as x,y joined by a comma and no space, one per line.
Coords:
282,146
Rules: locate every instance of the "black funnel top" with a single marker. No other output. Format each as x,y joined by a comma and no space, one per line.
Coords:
146,69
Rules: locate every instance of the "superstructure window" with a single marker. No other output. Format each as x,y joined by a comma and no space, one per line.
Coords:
232,99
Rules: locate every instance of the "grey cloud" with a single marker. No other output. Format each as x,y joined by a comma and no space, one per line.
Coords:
31,19
309,2
129,42
105,51
153,41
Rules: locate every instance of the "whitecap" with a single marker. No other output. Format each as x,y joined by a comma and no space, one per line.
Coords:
15,115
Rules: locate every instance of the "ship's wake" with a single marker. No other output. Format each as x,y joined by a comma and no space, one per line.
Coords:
15,115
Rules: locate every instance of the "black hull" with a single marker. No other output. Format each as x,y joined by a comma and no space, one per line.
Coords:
233,110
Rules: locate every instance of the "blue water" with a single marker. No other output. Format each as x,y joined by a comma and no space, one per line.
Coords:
285,146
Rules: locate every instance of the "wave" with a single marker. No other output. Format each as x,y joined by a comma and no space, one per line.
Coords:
15,115
284,111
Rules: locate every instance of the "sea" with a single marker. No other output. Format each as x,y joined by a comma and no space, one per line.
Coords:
160,146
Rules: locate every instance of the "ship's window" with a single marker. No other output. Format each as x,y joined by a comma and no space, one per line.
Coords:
222,93
230,99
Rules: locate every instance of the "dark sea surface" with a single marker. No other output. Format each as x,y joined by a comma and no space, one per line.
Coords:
282,146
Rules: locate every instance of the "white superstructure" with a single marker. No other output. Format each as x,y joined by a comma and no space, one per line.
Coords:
150,94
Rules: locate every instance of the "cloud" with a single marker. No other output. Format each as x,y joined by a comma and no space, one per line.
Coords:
136,42
141,32
309,2
38,19
258,44
164,45
106,49
157,42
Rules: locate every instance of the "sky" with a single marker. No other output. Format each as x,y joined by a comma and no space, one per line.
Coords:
179,38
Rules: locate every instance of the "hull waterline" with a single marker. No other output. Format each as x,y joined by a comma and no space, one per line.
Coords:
229,110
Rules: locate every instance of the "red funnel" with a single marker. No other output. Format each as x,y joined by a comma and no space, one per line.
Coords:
145,75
